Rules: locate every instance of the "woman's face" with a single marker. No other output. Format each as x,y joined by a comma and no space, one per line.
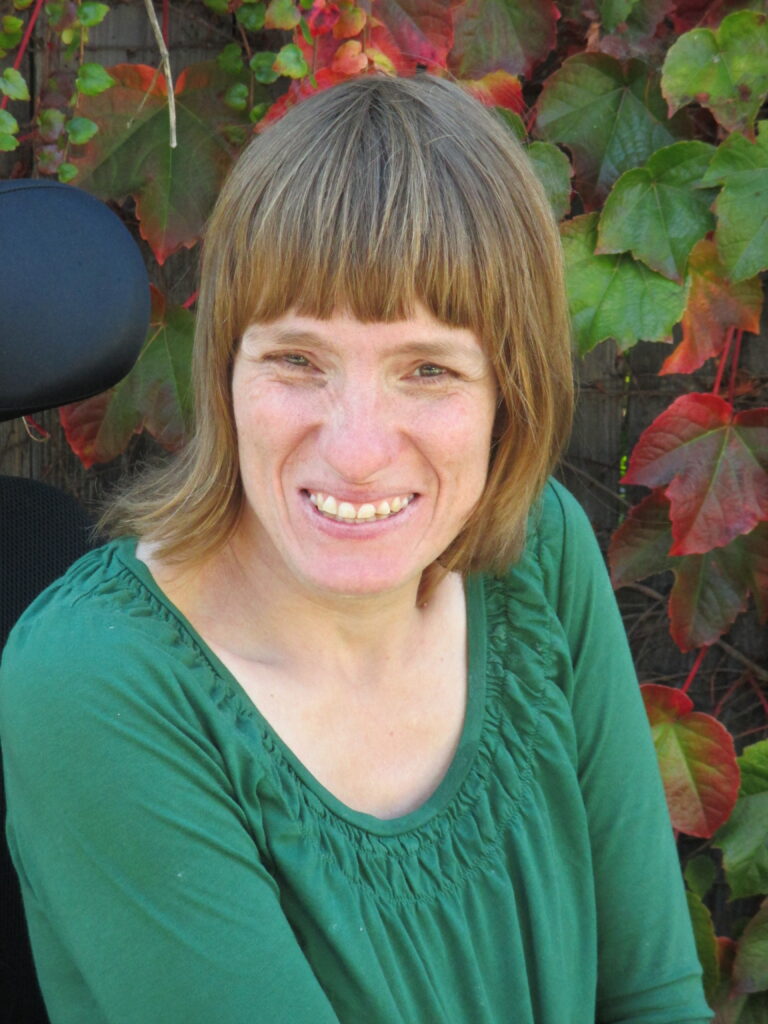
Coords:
363,447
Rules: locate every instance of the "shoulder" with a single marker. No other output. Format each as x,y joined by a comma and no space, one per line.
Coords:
96,639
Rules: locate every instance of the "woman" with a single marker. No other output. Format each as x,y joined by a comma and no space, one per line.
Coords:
352,734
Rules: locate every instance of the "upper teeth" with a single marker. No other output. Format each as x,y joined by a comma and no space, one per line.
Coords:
368,510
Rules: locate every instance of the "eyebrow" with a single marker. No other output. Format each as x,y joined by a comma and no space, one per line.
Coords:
291,337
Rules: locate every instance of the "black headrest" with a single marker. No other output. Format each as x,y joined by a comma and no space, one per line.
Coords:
74,297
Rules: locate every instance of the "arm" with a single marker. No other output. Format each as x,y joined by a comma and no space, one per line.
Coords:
648,968
146,897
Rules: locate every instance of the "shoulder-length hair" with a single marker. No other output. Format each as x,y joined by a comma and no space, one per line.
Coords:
371,197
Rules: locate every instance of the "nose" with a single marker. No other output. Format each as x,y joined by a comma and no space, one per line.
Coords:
360,436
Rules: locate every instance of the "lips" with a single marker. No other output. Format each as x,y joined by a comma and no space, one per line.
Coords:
368,511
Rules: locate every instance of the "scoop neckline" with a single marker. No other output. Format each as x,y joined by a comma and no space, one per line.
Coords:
469,740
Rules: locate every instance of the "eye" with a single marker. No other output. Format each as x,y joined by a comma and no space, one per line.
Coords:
295,359
430,371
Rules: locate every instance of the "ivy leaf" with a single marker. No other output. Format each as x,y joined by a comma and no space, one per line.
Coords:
8,123
155,396
613,12
741,167
422,30
93,79
497,89
13,86
710,590
351,20
696,758
262,66
750,968
715,304
700,874
505,35
610,115
250,16
230,59
715,463
615,296
656,213
349,59
81,130
706,944
744,842
290,62
725,70
90,13
754,768
282,14
131,156
553,169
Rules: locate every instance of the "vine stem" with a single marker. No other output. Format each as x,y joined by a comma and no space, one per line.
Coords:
694,669
723,360
734,365
24,43
760,695
165,61
191,300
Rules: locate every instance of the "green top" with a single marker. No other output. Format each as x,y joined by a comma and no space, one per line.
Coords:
179,864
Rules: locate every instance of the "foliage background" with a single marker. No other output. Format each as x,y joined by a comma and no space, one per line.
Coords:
536,45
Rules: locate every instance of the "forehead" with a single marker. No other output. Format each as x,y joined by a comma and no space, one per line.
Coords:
420,333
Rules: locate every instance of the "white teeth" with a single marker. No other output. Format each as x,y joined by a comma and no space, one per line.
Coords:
345,510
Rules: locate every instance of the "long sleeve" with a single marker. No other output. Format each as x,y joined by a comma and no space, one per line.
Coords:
145,895
648,971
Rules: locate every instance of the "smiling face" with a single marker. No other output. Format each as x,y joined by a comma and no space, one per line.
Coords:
363,447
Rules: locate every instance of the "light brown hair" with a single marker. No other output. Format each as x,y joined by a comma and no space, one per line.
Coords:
371,197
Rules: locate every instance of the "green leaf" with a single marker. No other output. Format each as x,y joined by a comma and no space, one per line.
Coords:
282,14
155,396
610,115
51,124
290,62
13,86
8,142
251,17
706,944
236,96
93,79
11,25
750,968
744,842
67,172
754,769
513,121
741,235
22,5
700,874
230,59
131,156
262,66
506,35
81,130
553,169
8,123
614,12
725,70
615,296
657,213
217,6
90,13
258,112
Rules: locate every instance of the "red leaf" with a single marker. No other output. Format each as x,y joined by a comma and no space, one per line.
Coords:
697,761
716,465
349,59
351,21
640,546
496,35
709,590
130,155
497,89
422,31
154,396
323,18
714,305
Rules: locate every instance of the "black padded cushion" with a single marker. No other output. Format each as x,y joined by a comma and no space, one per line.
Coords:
42,531
74,297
